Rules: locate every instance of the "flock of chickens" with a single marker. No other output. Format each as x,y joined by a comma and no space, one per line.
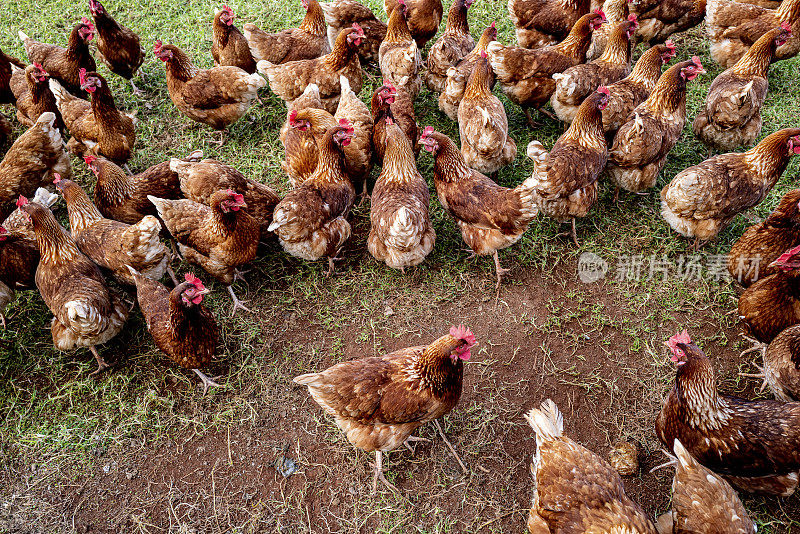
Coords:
622,123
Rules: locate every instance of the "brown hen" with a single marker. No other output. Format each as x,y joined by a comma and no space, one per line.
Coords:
229,47
118,47
424,17
340,14
31,89
308,41
455,43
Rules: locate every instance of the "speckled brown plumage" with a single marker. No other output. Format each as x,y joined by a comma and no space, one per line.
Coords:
307,41
201,179
98,128
451,47
111,244
782,365
228,44
704,503
771,304
642,143
424,17
750,256
300,147
399,56
31,89
123,197
185,332
659,19
526,76
340,14
218,237
543,22
64,64
703,199
30,161
575,490
118,47
458,75
752,443
401,109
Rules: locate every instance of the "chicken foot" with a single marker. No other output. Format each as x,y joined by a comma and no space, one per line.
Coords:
237,303
101,363
379,475
450,446
207,382
499,270
412,439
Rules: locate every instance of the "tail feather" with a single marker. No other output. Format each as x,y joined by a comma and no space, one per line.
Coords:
22,36
345,85
306,379
547,422
61,94
44,197
683,455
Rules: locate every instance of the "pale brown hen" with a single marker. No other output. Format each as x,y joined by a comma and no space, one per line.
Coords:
300,146
540,23
401,234
575,490
424,17
455,43
659,19
289,80
31,89
458,75
379,402
229,47
389,101
399,57
98,128
308,41
340,14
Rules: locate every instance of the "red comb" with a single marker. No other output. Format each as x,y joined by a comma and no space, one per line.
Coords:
604,90
57,178
463,333
38,65
492,25
192,279
21,201
696,61
632,17
292,116
389,120
89,159
157,46
483,54
389,85
427,131
786,256
346,123
785,26
672,343
670,44
600,12
358,28
3,230
84,20
82,76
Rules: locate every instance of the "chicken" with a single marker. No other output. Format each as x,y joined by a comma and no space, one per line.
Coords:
781,369
217,97
379,402
219,237
401,234
118,47
399,58
311,220
455,43
33,95
308,41
616,11
526,76
64,64
761,244
578,82
540,23
181,326
734,27
642,143
289,80
340,14
357,153
389,101
574,489
731,116
753,444
564,180
87,313
229,47
200,180
300,146
31,160
19,253
457,76
771,304
482,124
490,217
703,199
98,128
660,19
111,244
7,65
702,502
123,198
634,89
424,17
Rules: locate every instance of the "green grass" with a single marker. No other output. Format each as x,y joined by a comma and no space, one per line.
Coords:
59,425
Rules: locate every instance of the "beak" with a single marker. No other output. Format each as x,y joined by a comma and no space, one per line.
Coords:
204,292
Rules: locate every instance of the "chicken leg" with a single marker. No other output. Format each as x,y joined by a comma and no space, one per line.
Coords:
499,269
237,303
101,363
379,475
207,382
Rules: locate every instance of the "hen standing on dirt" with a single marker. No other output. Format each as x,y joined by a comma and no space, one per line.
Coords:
379,402
86,312
180,325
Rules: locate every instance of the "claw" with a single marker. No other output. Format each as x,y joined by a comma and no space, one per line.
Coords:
237,303
207,382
